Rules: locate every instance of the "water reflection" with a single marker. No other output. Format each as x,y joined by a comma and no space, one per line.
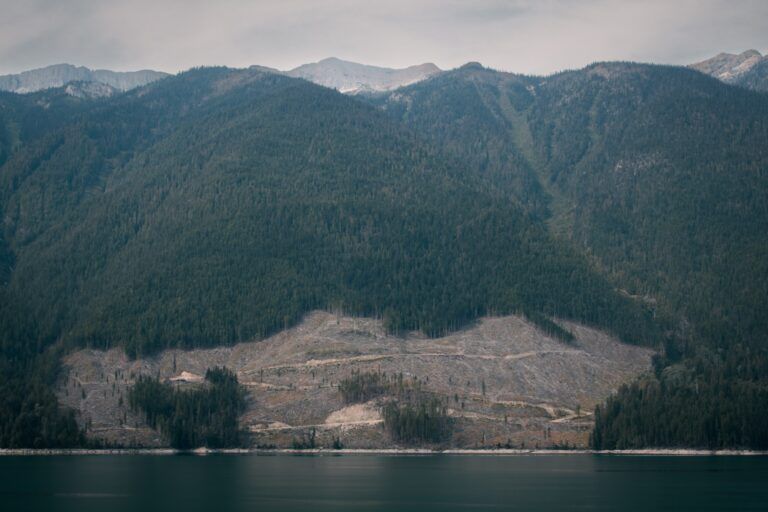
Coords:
382,483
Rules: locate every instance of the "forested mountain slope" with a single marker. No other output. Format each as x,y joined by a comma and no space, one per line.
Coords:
656,173
25,117
666,170
757,77
464,112
144,210
221,205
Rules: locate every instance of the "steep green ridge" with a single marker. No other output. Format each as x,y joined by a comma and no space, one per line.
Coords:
464,112
221,205
29,412
658,175
25,118
228,214
666,172
672,200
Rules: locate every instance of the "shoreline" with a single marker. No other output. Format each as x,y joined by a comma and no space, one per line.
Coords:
681,452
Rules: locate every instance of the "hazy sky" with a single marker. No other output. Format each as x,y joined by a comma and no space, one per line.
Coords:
527,36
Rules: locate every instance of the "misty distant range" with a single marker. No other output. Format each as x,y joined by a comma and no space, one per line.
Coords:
748,69
347,77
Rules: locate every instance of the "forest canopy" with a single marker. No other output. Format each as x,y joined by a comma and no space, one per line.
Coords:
221,205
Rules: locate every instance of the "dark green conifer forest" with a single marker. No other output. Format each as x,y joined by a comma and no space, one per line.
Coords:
221,205
192,418
659,175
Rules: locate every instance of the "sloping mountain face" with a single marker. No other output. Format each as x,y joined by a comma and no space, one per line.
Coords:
748,69
231,167
469,113
657,173
221,205
60,75
577,150
25,118
352,78
757,77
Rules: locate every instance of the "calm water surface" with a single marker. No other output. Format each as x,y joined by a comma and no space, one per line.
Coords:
220,483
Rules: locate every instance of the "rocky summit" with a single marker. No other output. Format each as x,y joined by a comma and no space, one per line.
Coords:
748,69
351,77
60,75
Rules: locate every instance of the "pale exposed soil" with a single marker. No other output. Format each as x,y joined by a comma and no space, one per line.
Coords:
504,381
358,413
187,377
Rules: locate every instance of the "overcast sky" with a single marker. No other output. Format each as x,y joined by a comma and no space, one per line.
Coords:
526,36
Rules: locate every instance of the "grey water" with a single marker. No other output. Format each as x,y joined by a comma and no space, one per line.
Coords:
400,483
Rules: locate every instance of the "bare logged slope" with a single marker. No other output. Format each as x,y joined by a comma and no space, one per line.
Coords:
504,381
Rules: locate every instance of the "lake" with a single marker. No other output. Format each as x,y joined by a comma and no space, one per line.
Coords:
181,483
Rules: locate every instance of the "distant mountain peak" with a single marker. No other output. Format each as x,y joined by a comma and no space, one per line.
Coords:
748,68
59,75
332,60
745,54
352,77
749,53
472,65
